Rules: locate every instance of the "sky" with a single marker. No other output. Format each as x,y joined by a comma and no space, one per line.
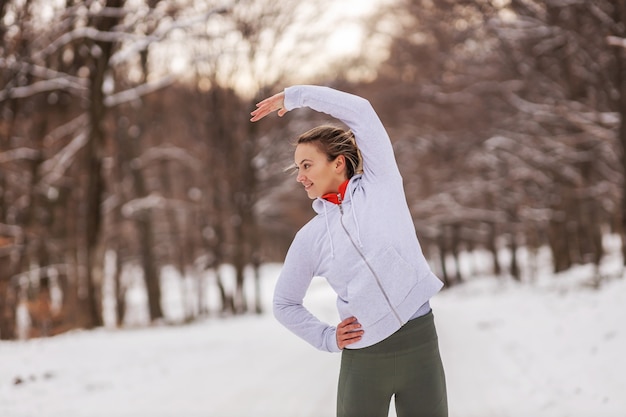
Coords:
339,27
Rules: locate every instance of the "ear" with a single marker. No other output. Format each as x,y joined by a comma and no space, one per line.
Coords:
340,163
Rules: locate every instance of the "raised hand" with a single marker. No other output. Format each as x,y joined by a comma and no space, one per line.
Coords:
269,105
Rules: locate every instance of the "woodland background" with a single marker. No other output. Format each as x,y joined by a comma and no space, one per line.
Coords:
125,140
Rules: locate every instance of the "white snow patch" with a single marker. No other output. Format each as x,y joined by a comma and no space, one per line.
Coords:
552,347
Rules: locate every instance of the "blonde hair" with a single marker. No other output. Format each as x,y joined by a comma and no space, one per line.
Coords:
334,141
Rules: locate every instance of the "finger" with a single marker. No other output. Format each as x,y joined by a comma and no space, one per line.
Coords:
352,328
351,335
269,100
262,109
264,102
345,341
348,334
258,114
351,341
266,109
347,321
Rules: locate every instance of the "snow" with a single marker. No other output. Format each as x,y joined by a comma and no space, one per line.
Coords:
553,346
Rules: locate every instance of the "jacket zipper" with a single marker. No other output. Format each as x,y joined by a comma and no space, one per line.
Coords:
378,282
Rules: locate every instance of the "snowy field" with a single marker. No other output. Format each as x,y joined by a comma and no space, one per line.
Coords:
551,348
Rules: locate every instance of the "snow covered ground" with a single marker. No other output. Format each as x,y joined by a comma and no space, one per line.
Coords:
551,348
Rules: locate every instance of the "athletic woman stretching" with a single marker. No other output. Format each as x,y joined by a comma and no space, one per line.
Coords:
363,242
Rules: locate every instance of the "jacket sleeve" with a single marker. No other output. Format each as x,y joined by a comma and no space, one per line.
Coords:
291,287
359,115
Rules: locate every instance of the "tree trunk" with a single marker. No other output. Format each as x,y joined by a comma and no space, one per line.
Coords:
456,242
493,248
8,308
120,291
93,164
148,263
515,271
620,81
143,223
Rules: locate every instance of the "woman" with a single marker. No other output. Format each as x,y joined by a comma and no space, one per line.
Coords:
363,242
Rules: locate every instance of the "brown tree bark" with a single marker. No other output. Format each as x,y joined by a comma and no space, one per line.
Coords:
94,154
620,58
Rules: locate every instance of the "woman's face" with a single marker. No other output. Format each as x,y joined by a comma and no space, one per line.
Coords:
318,175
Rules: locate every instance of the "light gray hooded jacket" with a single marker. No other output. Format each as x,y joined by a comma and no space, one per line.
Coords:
366,248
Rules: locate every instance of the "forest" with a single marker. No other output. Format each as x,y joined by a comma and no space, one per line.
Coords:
125,139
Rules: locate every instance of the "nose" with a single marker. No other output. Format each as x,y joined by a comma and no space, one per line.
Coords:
300,178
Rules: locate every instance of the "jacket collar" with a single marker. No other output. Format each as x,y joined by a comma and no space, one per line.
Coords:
337,198
319,203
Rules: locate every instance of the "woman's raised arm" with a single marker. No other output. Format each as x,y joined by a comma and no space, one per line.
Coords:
354,111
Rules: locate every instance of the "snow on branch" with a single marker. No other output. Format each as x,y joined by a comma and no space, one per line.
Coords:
168,152
123,54
529,107
584,123
616,41
590,122
445,208
601,15
18,154
39,87
41,72
152,202
118,12
537,162
68,128
467,95
54,168
89,33
137,92
47,73
23,278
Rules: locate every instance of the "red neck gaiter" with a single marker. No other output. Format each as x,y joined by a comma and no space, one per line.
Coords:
337,198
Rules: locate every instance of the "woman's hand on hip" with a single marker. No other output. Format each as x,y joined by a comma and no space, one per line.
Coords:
269,105
348,332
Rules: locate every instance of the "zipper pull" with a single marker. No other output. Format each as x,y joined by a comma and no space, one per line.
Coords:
340,201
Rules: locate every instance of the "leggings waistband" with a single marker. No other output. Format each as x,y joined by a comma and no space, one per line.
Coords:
413,334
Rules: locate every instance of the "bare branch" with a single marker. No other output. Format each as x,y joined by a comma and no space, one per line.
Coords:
68,128
89,33
616,41
19,153
137,92
143,43
41,72
153,201
54,168
47,271
169,153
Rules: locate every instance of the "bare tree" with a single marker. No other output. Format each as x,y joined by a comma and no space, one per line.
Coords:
505,122
615,21
59,80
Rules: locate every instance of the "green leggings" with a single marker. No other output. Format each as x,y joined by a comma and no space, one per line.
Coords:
406,364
